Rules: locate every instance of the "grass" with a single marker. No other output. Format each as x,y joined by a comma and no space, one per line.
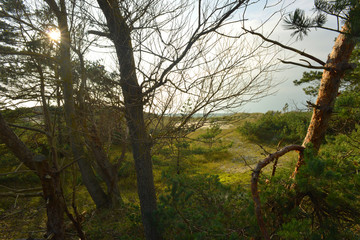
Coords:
233,164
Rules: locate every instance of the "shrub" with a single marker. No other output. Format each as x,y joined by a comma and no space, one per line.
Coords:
201,207
272,127
323,205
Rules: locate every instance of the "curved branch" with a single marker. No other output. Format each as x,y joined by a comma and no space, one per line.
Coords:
302,53
254,183
303,65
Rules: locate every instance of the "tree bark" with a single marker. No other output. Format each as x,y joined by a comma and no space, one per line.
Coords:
87,173
337,63
106,170
49,177
132,92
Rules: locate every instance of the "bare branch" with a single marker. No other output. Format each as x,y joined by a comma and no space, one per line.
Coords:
194,38
67,165
21,190
16,172
303,65
99,33
302,53
29,128
16,195
25,53
53,5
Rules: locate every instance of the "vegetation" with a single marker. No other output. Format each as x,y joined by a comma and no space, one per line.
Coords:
275,127
209,198
135,153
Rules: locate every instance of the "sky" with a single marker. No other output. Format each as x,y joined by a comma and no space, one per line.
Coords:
318,43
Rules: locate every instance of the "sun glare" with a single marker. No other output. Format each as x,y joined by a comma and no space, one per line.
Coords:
54,34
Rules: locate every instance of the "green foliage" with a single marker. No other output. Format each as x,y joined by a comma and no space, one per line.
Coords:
209,137
333,188
347,106
313,78
181,153
117,224
295,229
301,24
273,127
346,113
200,207
325,202
347,10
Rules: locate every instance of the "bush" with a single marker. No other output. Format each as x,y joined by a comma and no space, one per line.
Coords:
272,127
324,204
346,113
201,207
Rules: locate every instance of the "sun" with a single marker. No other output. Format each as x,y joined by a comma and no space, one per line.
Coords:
54,34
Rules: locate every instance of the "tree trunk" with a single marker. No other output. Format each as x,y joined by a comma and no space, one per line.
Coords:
337,63
55,205
106,170
49,177
140,140
87,173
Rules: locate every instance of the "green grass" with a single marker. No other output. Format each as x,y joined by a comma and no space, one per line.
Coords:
232,158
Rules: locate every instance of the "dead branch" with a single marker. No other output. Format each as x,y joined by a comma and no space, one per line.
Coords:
254,183
16,195
31,54
266,152
21,190
15,172
29,128
99,33
302,53
276,159
303,65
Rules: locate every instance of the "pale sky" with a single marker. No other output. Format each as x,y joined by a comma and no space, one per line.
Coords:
318,43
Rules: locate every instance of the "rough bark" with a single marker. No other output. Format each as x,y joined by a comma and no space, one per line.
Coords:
87,173
336,65
140,140
49,177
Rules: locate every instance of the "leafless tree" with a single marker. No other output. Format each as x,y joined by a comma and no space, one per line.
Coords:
169,52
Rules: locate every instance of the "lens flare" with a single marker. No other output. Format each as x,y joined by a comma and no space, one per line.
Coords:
54,34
